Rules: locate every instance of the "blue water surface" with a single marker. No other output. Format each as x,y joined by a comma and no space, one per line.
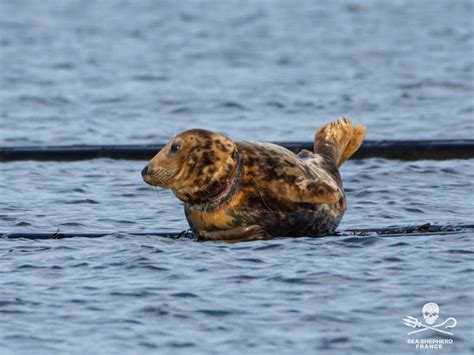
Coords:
122,72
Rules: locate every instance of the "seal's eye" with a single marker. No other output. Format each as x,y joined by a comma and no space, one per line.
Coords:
175,147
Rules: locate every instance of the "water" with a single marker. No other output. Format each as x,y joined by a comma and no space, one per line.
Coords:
268,70
117,72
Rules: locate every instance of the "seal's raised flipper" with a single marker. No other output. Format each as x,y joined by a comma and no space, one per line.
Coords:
253,232
332,139
358,134
338,140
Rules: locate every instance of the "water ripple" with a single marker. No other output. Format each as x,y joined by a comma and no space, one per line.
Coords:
74,74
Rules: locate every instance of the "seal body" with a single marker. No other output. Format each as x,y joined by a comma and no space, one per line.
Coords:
251,190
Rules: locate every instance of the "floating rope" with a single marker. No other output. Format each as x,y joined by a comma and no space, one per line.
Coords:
419,230
389,149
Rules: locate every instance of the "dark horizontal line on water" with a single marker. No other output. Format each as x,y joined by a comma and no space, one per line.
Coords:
389,149
418,230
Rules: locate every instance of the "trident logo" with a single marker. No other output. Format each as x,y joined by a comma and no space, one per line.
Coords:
431,315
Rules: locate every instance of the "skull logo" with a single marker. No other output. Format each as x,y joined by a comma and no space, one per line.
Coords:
430,313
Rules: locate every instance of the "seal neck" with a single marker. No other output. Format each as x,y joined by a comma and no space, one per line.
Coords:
228,190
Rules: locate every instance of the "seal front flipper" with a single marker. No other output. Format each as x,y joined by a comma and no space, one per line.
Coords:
253,232
313,190
303,189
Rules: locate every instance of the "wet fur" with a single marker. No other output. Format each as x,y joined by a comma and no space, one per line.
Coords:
267,170
273,192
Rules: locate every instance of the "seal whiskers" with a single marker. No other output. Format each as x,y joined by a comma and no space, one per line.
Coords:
156,192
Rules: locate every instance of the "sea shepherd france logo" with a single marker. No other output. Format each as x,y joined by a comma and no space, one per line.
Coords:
430,313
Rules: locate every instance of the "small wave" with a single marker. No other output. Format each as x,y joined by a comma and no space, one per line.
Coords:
232,105
460,251
294,280
150,77
251,260
392,259
215,312
179,110
84,201
184,295
181,344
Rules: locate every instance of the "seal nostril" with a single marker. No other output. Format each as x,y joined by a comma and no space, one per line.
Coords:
144,171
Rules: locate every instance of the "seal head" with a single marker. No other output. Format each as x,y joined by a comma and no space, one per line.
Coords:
198,165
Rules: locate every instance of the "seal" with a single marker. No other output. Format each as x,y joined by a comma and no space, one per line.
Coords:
244,190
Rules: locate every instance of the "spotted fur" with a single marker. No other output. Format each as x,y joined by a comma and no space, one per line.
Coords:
252,190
